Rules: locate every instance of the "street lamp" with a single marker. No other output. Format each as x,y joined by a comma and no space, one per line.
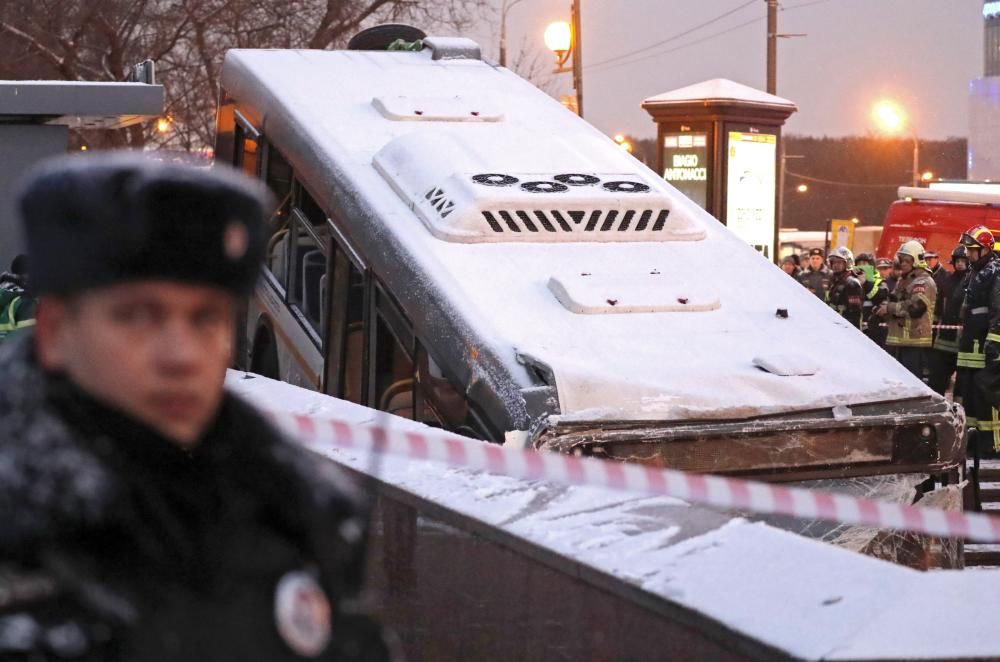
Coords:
891,119
564,39
559,39
802,188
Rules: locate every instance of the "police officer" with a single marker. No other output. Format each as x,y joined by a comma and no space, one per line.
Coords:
816,276
845,294
147,514
875,294
951,294
790,265
982,419
910,310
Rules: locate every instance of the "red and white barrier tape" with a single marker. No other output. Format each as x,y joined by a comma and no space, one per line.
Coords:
725,493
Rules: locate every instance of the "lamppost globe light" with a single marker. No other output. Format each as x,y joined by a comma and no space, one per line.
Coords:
559,38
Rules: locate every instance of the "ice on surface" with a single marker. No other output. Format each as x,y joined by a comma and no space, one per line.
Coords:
807,598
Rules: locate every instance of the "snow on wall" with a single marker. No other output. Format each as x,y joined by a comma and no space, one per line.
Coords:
651,366
813,600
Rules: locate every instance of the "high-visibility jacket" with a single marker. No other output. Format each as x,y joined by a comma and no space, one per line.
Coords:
17,309
845,295
976,313
912,310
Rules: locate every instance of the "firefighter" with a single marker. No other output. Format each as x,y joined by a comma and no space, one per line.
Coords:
982,419
875,294
845,294
17,306
934,265
910,310
816,277
884,267
148,514
951,294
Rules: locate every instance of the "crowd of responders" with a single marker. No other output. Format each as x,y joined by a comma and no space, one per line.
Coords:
940,321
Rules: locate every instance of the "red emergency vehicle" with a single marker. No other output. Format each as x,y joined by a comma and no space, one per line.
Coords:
937,217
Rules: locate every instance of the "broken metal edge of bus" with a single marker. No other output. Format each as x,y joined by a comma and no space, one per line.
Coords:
873,440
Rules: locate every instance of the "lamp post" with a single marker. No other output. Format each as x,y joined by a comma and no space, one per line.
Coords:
891,119
504,9
564,39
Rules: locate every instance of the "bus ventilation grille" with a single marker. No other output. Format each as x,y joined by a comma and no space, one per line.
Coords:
599,220
439,200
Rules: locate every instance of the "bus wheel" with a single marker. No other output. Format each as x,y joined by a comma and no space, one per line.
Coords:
265,356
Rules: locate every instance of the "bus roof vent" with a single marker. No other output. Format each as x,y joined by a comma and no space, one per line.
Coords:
507,205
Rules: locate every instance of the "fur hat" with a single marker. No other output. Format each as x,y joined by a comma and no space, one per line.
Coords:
106,218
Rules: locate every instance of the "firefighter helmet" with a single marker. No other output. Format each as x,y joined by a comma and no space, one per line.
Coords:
842,253
979,237
960,253
914,250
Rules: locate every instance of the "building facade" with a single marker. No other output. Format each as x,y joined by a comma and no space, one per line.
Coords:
984,102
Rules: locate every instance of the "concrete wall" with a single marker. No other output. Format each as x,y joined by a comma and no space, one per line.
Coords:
23,146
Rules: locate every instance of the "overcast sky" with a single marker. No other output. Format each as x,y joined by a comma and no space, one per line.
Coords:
921,52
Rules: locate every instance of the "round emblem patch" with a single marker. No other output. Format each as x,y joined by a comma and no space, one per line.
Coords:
235,240
302,613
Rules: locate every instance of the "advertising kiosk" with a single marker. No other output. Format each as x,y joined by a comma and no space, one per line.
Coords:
719,143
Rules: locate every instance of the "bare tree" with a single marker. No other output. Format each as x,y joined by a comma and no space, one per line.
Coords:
101,39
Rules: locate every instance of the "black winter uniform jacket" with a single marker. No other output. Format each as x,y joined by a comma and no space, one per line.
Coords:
116,544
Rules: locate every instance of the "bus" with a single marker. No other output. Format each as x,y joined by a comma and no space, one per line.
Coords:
452,245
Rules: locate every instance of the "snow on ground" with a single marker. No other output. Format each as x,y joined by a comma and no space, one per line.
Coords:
813,600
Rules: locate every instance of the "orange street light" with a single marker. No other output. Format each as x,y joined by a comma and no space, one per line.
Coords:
802,188
891,119
163,124
559,39
927,176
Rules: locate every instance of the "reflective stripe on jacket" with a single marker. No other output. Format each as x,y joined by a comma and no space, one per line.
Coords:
912,312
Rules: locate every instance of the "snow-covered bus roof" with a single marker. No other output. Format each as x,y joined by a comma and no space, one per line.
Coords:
635,323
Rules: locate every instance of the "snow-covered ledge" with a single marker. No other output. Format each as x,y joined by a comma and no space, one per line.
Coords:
807,598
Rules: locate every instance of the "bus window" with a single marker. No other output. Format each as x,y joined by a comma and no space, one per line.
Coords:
346,330
307,275
390,366
307,205
278,177
279,181
247,152
440,403
392,372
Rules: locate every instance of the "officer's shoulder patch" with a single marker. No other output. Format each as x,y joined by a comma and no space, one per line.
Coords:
302,613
